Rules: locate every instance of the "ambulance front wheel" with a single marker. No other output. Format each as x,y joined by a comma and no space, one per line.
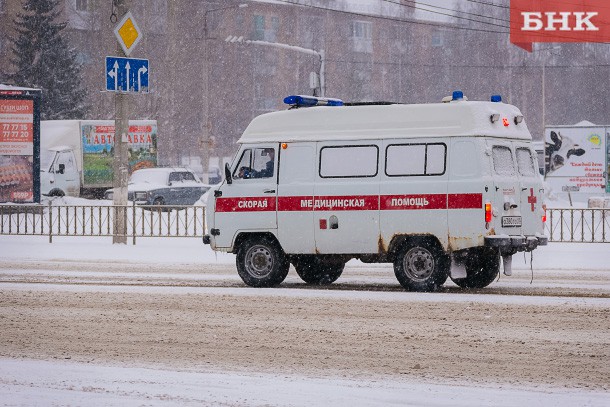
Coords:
313,270
420,266
261,262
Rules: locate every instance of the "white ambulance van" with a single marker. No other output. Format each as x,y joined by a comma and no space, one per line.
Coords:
439,190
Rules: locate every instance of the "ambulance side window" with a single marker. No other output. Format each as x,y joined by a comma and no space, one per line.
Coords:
525,162
415,159
349,161
243,170
503,161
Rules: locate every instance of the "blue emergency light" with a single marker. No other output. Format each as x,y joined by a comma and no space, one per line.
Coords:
305,101
496,98
457,95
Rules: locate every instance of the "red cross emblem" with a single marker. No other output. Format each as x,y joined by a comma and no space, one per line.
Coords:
532,199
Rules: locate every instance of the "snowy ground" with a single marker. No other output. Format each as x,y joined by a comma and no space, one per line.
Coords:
65,382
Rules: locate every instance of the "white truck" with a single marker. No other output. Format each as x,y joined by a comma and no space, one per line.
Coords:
439,190
76,155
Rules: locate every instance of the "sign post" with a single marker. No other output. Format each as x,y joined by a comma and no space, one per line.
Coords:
123,76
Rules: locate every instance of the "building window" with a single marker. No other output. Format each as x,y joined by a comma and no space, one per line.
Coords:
82,5
259,27
437,39
362,36
265,30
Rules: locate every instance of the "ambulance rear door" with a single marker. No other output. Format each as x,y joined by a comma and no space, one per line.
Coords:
507,205
531,191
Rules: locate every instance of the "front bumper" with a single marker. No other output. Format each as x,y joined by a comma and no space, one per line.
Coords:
510,244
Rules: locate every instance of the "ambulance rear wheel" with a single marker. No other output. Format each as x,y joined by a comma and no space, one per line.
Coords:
420,266
313,270
482,268
261,262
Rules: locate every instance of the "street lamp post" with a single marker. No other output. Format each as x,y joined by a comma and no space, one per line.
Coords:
205,130
320,54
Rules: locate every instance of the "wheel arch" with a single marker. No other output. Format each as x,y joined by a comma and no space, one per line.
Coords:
243,236
399,241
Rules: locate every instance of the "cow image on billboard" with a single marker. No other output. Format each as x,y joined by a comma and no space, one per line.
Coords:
575,159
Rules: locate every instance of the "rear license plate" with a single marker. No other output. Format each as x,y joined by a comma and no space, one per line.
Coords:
511,221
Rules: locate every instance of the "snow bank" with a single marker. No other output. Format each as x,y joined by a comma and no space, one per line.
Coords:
30,382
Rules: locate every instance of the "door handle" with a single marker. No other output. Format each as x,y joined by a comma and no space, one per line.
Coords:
269,191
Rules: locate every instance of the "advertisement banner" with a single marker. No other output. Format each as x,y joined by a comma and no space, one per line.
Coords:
558,21
16,127
575,159
19,124
98,150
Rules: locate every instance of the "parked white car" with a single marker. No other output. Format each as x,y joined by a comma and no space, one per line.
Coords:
164,186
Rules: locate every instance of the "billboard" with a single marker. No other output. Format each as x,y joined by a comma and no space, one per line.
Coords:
98,149
576,159
19,144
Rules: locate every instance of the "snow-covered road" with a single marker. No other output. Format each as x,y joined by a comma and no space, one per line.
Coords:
166,322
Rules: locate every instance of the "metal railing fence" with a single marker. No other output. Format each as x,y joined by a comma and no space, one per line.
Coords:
563,225
578,225
97,220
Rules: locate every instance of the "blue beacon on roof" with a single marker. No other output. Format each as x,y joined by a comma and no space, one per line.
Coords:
298,100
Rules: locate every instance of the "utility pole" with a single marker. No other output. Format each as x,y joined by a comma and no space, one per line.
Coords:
205,142
318,53
120,163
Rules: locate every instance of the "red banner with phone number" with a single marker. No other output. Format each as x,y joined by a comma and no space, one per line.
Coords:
558,21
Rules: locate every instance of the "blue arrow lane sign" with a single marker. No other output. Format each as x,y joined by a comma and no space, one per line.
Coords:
126,75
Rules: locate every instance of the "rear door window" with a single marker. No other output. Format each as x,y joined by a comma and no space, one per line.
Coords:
525,162
503,161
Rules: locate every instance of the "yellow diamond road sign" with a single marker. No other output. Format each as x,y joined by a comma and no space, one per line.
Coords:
128,33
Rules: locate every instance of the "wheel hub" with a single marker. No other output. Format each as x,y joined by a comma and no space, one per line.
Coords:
419,264
259,261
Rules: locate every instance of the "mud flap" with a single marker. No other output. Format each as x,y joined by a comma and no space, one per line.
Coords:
458,268
507,260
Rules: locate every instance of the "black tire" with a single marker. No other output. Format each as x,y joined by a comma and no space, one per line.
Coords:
158,204
261,262
314,270
57,192
420,266
482,268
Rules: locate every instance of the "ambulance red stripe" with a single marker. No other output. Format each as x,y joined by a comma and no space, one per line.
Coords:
350,203
329,203
464,201
250,204
409,202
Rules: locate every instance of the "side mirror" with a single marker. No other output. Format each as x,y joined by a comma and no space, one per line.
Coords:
62,168
228,174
